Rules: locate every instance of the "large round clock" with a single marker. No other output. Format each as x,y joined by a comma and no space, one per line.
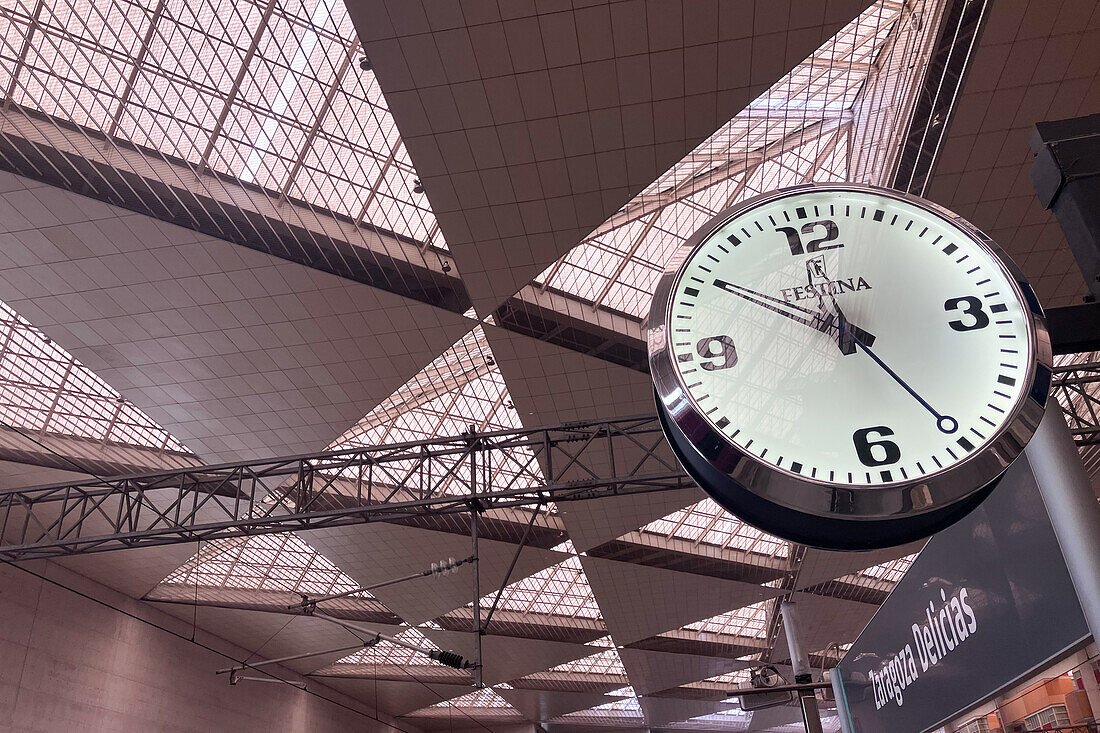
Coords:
846,366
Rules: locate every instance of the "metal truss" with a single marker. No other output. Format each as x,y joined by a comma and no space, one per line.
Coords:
1076,387
460,474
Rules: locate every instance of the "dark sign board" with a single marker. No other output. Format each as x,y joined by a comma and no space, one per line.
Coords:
988,600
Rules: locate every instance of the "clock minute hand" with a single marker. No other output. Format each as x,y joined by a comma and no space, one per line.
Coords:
830,324
945,423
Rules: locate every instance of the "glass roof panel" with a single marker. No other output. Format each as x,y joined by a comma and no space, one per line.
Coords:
750,621
461,389
44,389
604,662
266,92
559,590
707,523
388,653
280,561
795,132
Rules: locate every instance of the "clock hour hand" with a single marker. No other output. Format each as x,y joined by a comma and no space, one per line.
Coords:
830,324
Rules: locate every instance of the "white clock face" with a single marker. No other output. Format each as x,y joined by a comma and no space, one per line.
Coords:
850,337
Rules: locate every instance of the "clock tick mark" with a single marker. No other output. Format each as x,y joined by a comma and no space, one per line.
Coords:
994,294
687,304
910,224
813,471
998,307
972,270
975,431
951,453
850,478
796,466
966,444
763,452
800,212
816,212
987,421
990,404
705,269
830,472
684,357
689,371
903,473
1001,394
937,462
1008,335
745,232
712,257
1006,380
983,282
691,292
722,423
693,386
1009,366
713,409
894,220
723,248
1002,323
921,468
868,474
923,232
937,239
749,444
949,249
879,215
963,258
863,213
1009,351
886,476
772,220
758,226
786,216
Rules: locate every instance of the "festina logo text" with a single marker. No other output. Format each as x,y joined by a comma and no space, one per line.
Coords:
830,287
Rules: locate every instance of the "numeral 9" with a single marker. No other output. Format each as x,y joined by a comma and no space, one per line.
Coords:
713,347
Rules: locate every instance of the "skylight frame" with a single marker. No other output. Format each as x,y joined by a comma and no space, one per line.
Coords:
188,82
811,109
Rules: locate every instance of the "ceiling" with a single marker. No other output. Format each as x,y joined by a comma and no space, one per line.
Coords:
281,227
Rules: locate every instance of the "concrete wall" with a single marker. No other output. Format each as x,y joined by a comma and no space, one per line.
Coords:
70,664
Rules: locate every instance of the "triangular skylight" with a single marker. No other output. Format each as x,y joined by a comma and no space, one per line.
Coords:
707,523
559,590
44,389
280,561
461,389
800,130
267,94
386,653
748,621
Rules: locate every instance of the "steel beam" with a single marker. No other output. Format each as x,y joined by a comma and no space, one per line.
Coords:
564,463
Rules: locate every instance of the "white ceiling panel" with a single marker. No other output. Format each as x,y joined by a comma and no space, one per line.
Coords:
651,671
1036,60
542,705
664,710
529,126
235,352
506,657
372,553
639,601
824,621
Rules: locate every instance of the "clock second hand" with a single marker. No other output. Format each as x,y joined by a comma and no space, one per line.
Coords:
945,423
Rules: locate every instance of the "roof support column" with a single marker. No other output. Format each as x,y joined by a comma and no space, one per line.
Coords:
800,660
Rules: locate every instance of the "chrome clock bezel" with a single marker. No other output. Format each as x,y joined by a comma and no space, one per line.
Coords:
726,471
